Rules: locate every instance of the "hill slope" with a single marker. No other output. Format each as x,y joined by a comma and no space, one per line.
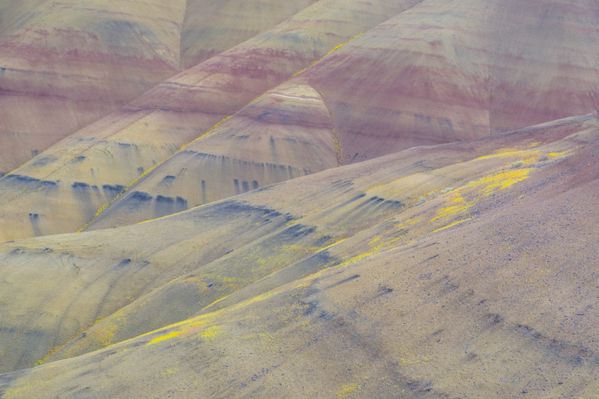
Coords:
434,72
307,198
74,181
65,64
259,275
437,72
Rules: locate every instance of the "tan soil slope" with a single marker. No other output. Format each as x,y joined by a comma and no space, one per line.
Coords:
209,27
74,181
64,64
438,72
14,14
444,71
74,62
451,271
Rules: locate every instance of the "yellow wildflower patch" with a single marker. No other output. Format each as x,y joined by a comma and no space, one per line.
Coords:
485,186
499,181
347,390
211,333
556,154
165,337
452,224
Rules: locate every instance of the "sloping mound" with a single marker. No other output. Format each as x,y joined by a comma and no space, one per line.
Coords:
65,64
409,273
73,182
435,72
306,198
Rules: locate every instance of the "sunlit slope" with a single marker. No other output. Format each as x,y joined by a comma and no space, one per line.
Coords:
14,14
445,71
210,26
73,182
74,62
62,296
499,307
65,64
437,72
285,134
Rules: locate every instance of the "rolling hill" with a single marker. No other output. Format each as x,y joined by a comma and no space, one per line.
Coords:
92,167
67,63
249,285
312,198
